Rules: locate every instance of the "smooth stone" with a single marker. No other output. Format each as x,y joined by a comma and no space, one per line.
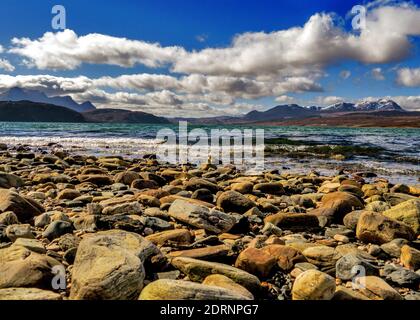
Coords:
376,288
16,231
222,281
347,267
30,294
31,244
410,257
181,236
198,270
166,289
56,229
210,253
8,218
393,248
233,201
313,285
255,261
25,208
129,208
407,212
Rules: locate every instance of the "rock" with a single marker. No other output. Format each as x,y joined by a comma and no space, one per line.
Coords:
393,248
144,184
166,289
128,208
203,195
126,177
32,294
181,236
198,270
400,188
401,276
68,194
354,190
329,187
109,265
19,267
42,220
232,201
196,183
407,212
376,288
342,203
285,256
56,229
343,293
351,219
313,285
377,228
255,261
242,187
377,206
97,179
8,218
293,221
210,253
394,199
16,231
154,223
275,188
9,180
24,208
410,257
348,266
151,176
201,217
31,244
222,281
323,257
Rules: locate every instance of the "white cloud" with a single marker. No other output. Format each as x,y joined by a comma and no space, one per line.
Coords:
6,65
409,77
284,99
65,50
377,74
329,100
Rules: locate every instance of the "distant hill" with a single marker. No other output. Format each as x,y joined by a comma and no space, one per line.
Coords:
122,116
28,111
19,94
366,106
280,112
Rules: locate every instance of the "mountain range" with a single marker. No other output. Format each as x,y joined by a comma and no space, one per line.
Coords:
19,94
18,105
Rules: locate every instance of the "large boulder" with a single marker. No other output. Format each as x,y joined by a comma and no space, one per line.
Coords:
109,266
167,289
377,228
201,217
25,208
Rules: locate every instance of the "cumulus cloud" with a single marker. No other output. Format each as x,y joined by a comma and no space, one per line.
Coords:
65,50
329,100
408,77
284,99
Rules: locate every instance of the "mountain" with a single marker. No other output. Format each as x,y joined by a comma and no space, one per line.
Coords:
19,94
280,112
365,106
28,111
122,116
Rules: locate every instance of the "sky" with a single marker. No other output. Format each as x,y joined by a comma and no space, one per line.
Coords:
213,57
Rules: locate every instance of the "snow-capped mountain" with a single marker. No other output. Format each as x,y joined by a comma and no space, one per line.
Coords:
379,105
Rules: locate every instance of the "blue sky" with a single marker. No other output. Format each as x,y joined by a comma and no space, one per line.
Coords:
194,26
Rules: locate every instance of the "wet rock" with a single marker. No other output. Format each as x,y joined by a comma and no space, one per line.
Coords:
184,290
375,228
313,285
394,199
201,217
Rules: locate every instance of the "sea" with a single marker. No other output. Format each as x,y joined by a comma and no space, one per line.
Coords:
399,162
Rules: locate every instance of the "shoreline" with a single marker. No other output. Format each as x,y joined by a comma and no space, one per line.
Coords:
155,231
